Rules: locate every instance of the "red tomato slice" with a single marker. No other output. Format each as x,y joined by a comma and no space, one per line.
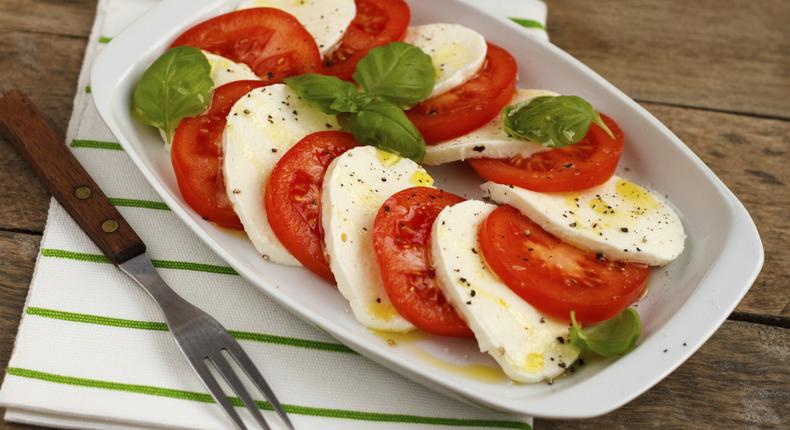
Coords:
197,156
272,42
471,105
293,197
587,163
378,22
402,240
554,277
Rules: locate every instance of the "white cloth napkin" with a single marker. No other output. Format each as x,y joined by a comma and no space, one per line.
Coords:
92,351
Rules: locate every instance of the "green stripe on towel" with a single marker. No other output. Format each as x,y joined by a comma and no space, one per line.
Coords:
160,326
528,23
136,203
162,264
105,39
96,144
291,409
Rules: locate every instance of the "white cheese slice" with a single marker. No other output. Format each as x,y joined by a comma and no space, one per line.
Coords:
325,20
457,52
619,218
224,71
528,346
261,127
355,185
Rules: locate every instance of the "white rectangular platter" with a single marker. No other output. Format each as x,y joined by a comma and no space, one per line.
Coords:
687,301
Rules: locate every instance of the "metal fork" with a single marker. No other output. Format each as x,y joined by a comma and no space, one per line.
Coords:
203,340
200,337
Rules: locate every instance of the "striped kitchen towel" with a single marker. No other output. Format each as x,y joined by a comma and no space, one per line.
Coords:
92,350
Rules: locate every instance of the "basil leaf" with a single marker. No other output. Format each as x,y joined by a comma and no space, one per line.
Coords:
351,103
397,72
552,121
616,336
177,85
384,125
328,94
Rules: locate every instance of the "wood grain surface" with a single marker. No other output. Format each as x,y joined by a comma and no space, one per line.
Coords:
717,72
728,55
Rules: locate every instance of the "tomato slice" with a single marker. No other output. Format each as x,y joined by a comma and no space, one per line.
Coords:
402,240
585,164
293,197
471,105
554,277
272,42
377,22
197,156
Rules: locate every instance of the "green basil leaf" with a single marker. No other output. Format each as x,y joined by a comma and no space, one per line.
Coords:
350,103
612,337
328,94
177,85
384,125
340,104
552,121
397,72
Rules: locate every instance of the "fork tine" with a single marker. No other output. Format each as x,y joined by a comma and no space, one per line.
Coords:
223,367
216,391
243,360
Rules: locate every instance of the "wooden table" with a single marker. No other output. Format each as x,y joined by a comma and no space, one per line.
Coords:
717,72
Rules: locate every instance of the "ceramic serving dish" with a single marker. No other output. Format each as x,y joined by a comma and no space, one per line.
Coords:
687,300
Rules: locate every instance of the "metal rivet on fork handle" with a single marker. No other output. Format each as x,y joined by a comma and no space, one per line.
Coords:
109,225
82,192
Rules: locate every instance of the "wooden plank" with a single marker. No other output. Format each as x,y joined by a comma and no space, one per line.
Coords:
16,268
731,55
45,67
24,200
30,60
64,17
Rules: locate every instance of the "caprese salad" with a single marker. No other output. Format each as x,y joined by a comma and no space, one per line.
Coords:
307,124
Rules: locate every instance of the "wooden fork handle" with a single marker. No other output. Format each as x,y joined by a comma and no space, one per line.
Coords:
22,124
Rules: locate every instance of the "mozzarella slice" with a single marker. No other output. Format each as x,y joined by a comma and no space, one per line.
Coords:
528,346
457,52
355,185
261,127
224,71
619,218
490,140
325,20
